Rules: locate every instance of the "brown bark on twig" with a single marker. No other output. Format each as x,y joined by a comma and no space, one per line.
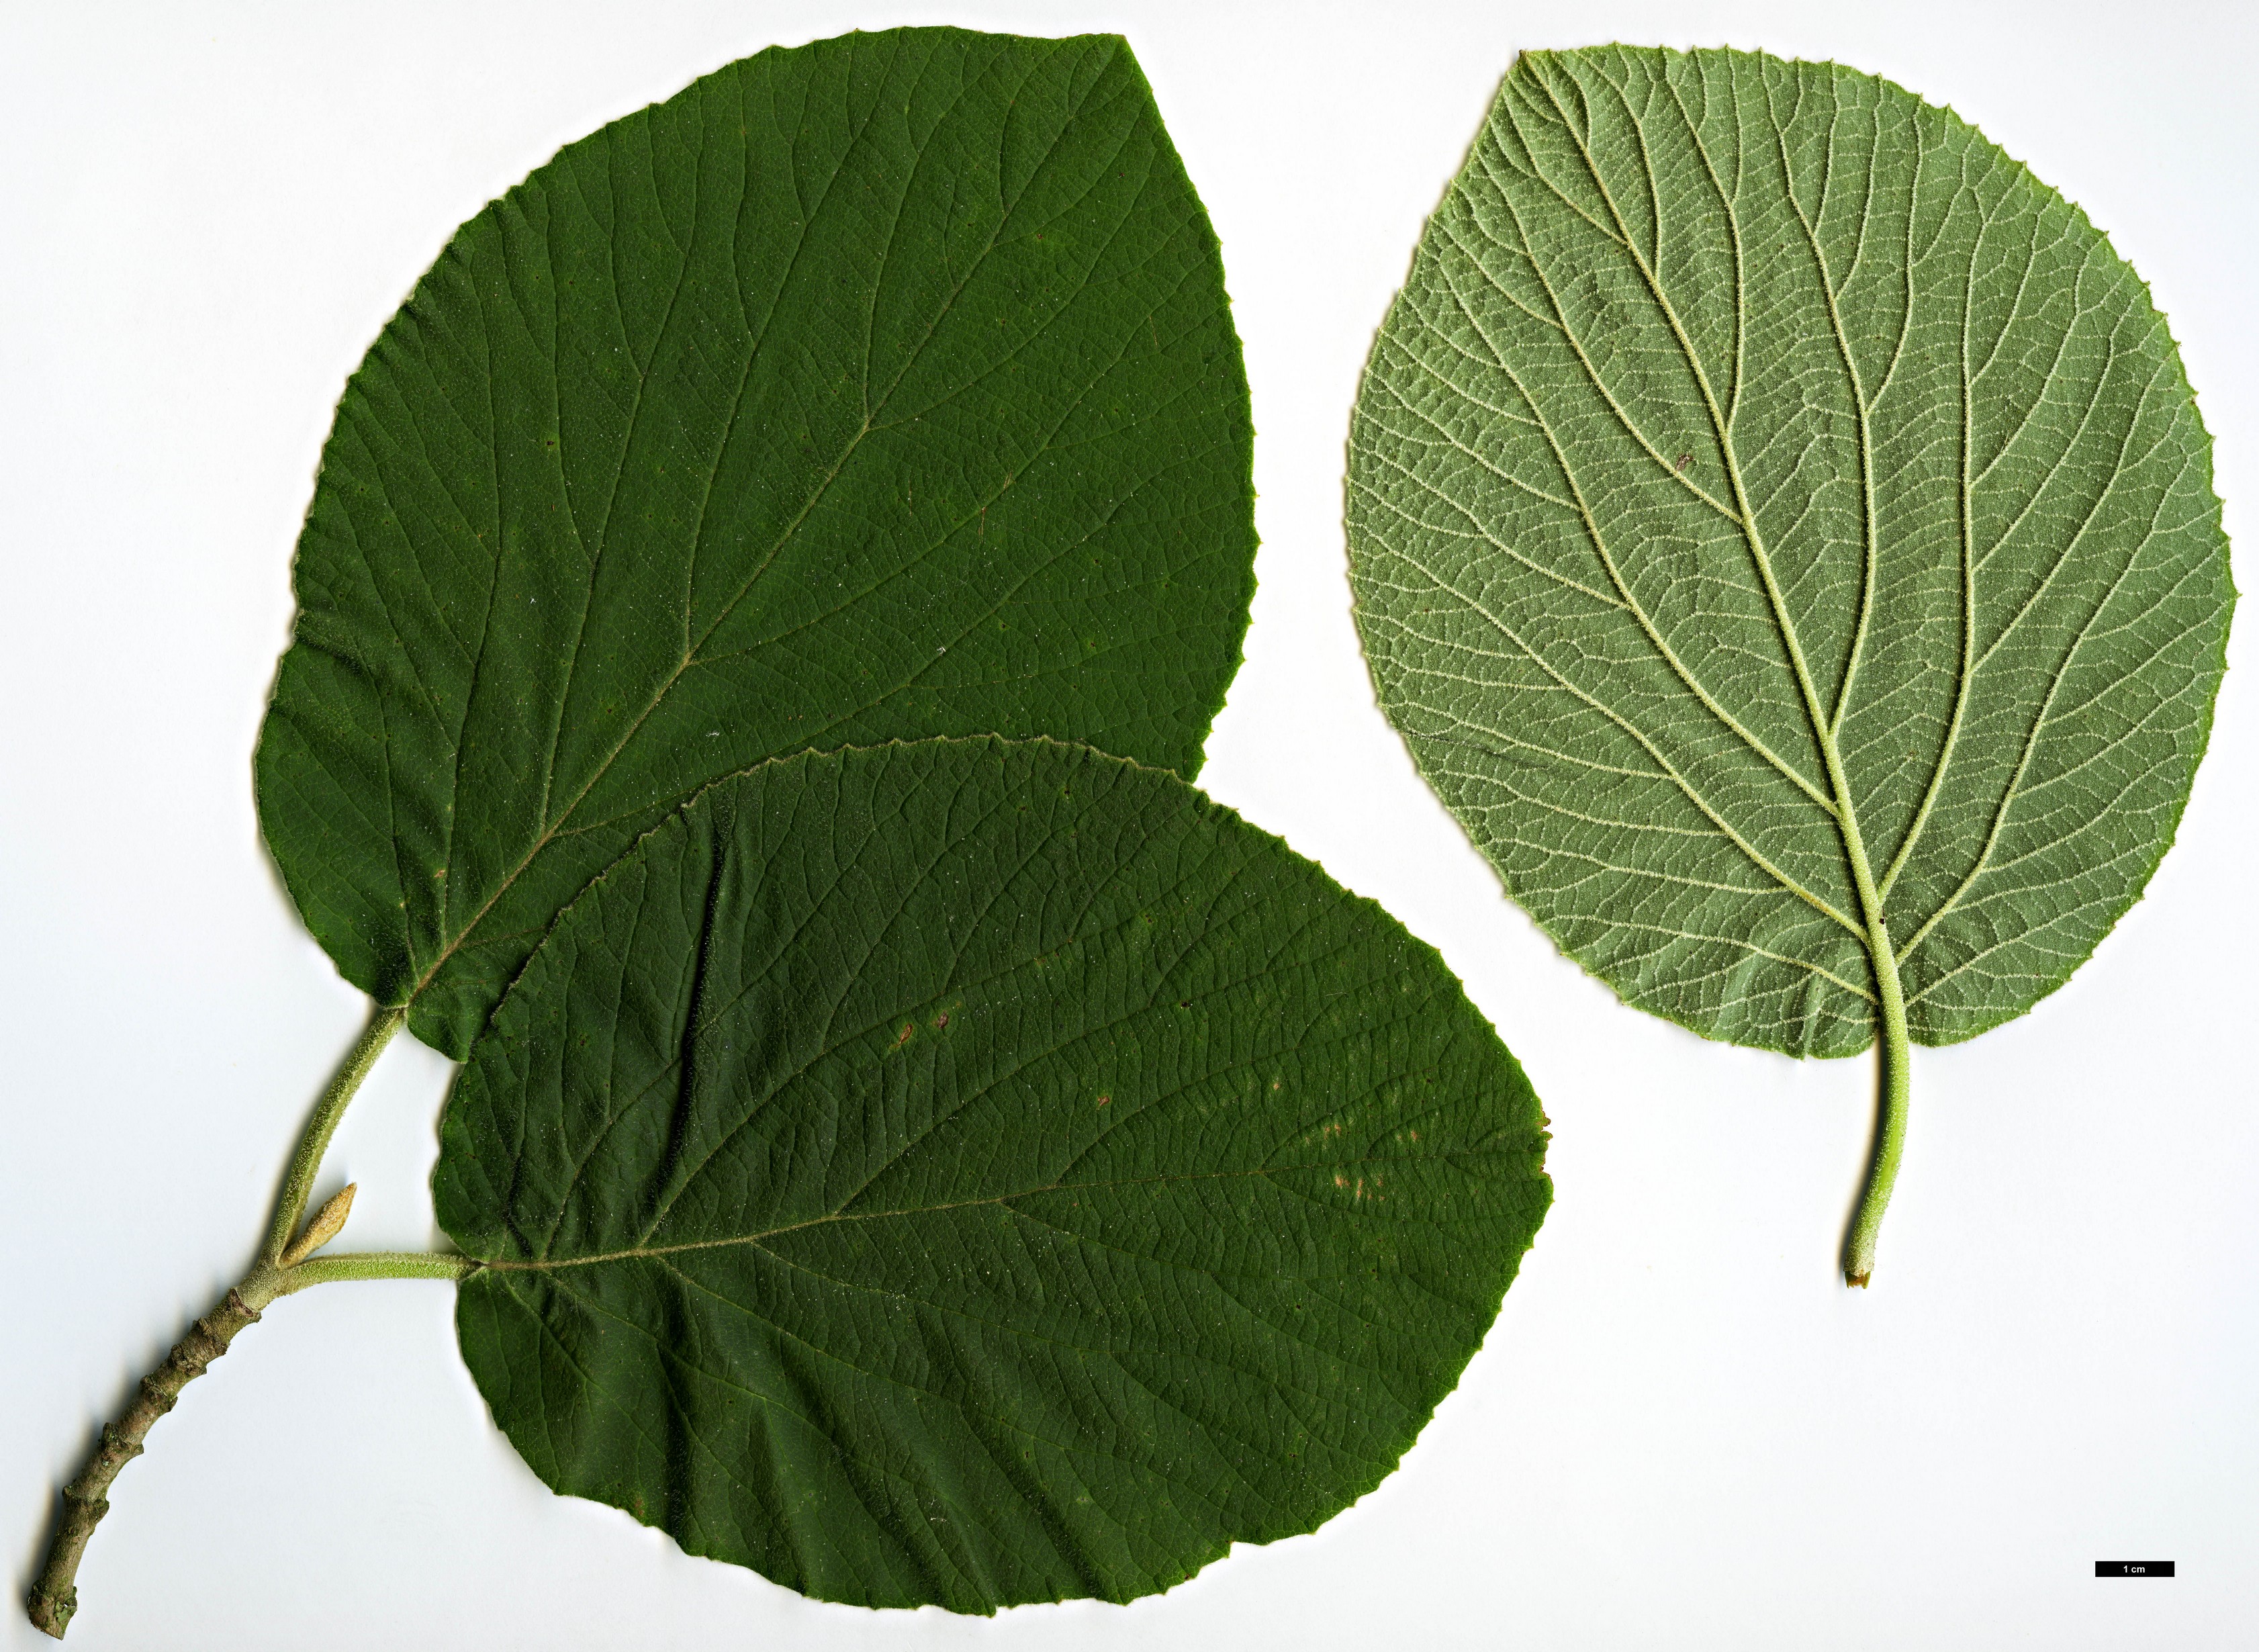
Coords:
54,1597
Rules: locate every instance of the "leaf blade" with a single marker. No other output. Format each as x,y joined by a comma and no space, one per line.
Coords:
877,389
1082,1181
1676,301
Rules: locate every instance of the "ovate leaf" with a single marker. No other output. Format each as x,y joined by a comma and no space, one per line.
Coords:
974,1172
1782,528
878,388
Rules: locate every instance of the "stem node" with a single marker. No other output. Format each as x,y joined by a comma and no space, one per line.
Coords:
53,1598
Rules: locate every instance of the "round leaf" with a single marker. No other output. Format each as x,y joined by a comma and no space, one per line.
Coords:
974,1172
878,388
1783,530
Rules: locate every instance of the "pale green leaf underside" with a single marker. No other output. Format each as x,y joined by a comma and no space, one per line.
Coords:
974,1172
877,389
1737,410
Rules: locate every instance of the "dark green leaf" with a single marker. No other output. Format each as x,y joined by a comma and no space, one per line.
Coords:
975,1173
1783,530
878,389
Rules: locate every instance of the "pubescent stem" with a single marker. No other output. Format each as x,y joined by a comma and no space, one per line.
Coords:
306,1163
1892,1078
53,1598
377,1264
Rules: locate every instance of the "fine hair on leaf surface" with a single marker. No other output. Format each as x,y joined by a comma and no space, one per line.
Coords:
970,1172
1783,531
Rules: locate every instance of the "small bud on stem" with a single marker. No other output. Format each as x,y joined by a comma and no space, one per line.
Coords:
326,1226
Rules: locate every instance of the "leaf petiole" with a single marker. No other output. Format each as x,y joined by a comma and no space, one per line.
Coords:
376,1264
1891,1087
313,1142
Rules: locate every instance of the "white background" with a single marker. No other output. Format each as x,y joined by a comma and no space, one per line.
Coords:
1683,1432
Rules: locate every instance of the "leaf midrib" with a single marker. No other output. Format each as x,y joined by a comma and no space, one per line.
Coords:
690,656
1875,937
637,1252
